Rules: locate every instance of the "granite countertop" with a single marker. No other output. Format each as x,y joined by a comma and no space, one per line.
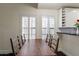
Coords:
68,33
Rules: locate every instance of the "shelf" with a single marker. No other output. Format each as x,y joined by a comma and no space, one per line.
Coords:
63,14
63,21
63,18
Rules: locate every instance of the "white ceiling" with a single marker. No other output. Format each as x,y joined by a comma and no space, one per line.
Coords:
35,5
57,5
46,5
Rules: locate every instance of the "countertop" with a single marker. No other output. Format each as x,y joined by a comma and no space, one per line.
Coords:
68,33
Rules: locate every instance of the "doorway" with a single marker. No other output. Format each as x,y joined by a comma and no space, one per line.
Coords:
29,27
47,26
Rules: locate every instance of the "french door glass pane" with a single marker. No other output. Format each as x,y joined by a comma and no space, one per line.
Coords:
32,27
25,31
33,37
51,31
28,27
43,36
51,22
44,31
25,22
47,26
32,22
33,31
26,36
44,22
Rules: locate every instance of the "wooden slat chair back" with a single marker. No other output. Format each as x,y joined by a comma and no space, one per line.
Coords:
47,38
54,47
19,43
50,40
53,44
22,40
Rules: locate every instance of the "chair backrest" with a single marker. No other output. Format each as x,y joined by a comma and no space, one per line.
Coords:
22,40
50,40
19,44
57,45
47,38
13,51
53,43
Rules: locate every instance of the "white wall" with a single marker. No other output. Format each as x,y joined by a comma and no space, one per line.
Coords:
10,22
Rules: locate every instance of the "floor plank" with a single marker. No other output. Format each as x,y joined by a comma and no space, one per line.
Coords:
36,47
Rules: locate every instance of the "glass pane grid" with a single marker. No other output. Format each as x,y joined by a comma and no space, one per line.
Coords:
32,22
44,31
47,25
43,36
32,27
32,36
51,31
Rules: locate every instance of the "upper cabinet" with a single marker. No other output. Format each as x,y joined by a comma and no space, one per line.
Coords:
68,16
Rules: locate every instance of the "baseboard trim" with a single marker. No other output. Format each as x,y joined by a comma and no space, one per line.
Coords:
9,54
60,53
66,52
5,51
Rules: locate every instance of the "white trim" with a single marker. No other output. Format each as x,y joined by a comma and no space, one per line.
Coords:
5,51
66,52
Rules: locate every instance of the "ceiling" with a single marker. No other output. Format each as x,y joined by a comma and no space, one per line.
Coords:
57,5
46,5
53,5
35,5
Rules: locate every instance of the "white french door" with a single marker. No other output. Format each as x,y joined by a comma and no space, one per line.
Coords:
29,27
47,26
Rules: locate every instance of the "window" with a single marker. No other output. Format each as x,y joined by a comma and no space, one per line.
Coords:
47,26
28,27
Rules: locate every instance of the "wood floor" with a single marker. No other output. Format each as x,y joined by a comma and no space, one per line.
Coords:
36,47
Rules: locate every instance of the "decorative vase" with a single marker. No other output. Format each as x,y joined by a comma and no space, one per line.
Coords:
77,31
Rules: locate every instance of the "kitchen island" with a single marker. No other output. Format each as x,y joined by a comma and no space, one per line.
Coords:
69,43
